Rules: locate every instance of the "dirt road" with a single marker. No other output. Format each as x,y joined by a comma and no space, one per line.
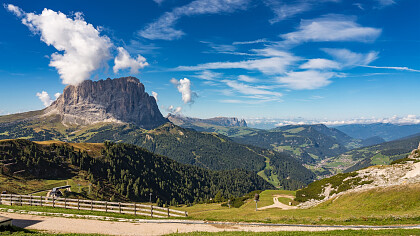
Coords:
278,204
145,227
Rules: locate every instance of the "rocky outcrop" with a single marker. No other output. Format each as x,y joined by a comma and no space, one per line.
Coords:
219,121
121,100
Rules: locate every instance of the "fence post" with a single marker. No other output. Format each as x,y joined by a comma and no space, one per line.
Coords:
168,212
91,205
65,203
151,211
119,206
78,204
41,201
20,198
186,214
53,201
11,200
106,206
135,209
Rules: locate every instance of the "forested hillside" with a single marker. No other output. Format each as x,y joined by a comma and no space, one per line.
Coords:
126,171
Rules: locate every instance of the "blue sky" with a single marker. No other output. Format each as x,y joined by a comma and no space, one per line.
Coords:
285,61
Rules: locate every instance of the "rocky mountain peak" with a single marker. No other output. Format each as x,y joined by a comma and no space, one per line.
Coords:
121,100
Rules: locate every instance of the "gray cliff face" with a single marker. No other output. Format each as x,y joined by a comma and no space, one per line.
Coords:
228,121
121,100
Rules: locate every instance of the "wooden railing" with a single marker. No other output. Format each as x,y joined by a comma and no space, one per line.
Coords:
90,205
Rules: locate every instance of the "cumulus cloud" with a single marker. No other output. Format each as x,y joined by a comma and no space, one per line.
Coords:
125,61
331,28
309,79
184,87
320,63
349,59
163,28
155,95
171,109
45,98
82,49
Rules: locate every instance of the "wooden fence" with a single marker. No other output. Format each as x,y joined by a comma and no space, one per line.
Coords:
90,205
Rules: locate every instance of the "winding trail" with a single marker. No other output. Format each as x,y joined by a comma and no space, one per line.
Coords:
278,204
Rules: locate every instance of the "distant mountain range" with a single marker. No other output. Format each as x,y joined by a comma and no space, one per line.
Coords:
386,131
197,123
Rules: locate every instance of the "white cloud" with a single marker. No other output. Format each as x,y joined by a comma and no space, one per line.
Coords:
173,110
155,95
309,79
385,3
349,59
158,1
124,61
208,75
251,90
184,87
83,49
14,9
247,79
287,9
251,42
404,68
320,63
276,64
331,28
163,28
45,98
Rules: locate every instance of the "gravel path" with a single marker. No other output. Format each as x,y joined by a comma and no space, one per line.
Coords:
148,227
278,204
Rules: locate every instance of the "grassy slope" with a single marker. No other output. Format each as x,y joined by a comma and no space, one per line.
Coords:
388,206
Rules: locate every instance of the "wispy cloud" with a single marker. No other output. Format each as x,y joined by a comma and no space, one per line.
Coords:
320,63
251,90
251,42
331,28
276,63
163,28
208,75
309,79
248,79
351,59
392,68
385,3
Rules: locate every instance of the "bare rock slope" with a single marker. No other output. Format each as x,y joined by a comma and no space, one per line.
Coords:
122,100
401,172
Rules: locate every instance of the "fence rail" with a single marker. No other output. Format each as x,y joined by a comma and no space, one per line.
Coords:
90,205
